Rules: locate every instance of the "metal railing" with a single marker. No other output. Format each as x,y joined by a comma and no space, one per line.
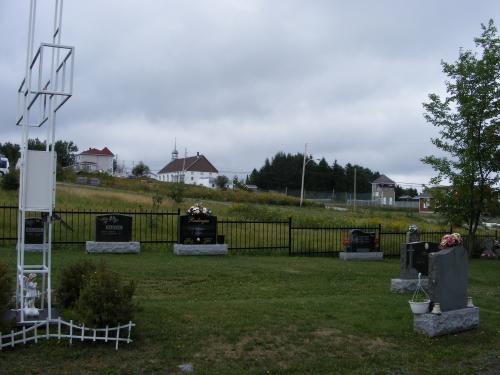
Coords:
75,227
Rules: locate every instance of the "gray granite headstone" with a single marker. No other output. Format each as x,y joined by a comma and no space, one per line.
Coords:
412,236
448,270
414,258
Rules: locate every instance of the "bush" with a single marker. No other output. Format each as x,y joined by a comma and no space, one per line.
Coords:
10,181
106,300
73,279
6,285
177,192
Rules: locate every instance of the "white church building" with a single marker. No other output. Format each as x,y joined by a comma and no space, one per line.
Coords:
193,170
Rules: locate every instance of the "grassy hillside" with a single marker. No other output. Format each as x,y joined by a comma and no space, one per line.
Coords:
125,194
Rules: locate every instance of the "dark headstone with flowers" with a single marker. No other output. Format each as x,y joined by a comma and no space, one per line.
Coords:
198,226
489,249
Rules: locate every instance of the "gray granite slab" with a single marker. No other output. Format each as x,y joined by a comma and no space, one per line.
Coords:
448,322
362,256
211,249
407,285
113,247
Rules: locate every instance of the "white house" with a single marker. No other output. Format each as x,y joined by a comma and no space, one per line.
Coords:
193,170
383,190
95,160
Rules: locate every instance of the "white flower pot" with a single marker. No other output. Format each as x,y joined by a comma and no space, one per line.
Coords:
419,307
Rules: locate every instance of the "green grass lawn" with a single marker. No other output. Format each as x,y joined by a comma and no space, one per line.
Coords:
269,314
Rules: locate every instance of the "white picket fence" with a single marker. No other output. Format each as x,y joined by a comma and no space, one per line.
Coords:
66,330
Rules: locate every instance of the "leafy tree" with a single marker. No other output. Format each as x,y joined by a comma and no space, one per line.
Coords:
221,181
36,144
65,153
141,170
12,152
468,122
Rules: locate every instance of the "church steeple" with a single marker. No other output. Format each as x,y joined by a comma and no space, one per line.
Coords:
175,153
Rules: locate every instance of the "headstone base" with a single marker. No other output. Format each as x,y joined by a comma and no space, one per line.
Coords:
113,247
215,249
447,322
33,247
362,256
15,315
407,285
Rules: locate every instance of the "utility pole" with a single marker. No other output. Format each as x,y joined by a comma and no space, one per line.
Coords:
303,173
355,188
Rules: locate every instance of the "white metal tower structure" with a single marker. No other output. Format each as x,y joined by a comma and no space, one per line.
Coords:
47,85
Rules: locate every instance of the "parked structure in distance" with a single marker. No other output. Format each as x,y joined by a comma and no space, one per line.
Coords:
4,165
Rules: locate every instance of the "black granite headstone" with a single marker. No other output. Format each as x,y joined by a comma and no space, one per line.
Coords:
448,272
200,230
360,241
33,231
415,258
113,228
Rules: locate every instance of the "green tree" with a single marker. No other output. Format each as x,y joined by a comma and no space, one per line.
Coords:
65,153
468,122
12,152
140,170
221,181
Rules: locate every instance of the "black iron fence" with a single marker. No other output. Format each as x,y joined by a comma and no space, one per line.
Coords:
243,237
77,226
324,240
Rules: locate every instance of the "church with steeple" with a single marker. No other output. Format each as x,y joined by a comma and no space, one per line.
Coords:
192,170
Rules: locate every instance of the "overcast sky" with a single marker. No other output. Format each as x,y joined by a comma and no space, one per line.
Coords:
239,80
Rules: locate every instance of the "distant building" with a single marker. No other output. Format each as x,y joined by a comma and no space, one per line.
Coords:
193,170
95,160
383,190
426,202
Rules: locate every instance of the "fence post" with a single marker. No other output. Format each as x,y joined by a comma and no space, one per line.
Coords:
179,226
290,236
379,237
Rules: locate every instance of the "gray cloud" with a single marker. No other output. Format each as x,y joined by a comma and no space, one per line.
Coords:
241,80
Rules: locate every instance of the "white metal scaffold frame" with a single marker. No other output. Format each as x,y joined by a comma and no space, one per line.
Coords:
47,85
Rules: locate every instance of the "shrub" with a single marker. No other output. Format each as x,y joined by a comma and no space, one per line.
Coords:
106,300
177,192
10,181
73,279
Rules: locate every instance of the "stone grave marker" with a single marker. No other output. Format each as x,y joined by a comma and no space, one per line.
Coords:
412,235
113,234
362,246
360,241
113,228
201,230
34,231
33,234
197,233
448,272
489,252
414,258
